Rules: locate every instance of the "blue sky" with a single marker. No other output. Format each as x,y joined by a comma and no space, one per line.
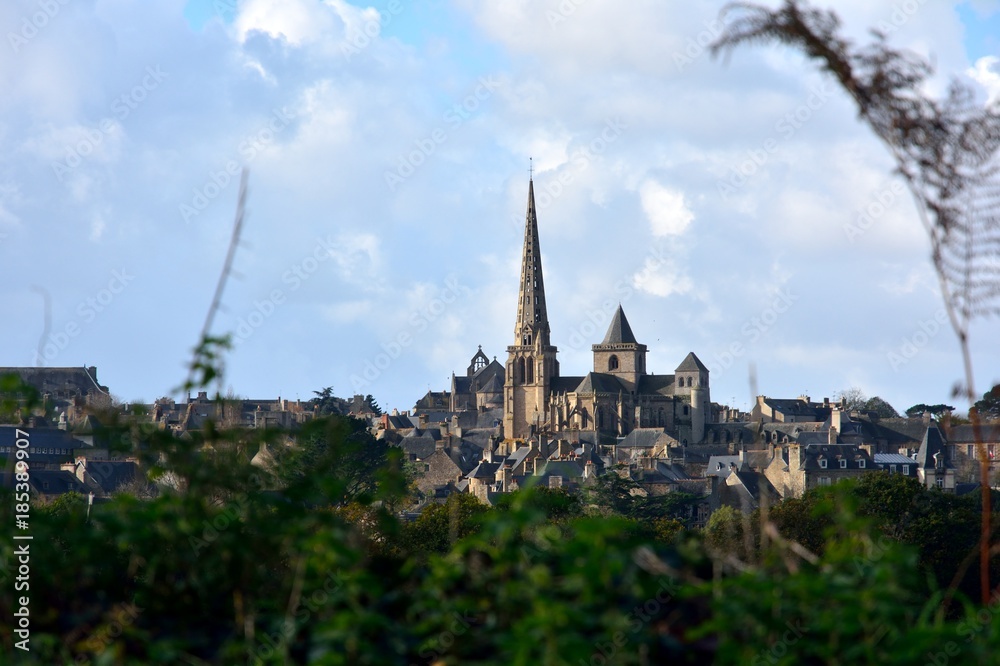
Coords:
387,145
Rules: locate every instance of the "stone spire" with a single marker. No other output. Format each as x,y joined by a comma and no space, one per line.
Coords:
532,316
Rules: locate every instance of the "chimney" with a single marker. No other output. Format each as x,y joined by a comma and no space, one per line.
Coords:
588,469
927,418
506,474
422,421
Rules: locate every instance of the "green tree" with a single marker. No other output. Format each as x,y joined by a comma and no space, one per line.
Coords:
937,411
335,460
880,407
989,406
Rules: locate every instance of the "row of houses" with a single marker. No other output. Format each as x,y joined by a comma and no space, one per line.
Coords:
782,449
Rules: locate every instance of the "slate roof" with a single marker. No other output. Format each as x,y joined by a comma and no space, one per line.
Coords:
493,385
565,384
898,433
964,434
421,447
661,384
484,470
798,407
599,382
830,452
55,482
568,469
758,459
691,363
619,331
110,475
893,459
642,438
932,443
720,465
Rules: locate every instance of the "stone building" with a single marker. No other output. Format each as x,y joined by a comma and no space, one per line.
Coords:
609,402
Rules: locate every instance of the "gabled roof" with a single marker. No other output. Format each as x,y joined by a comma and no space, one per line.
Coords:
599,382
619,332
691,363
642,438
110,475
484,470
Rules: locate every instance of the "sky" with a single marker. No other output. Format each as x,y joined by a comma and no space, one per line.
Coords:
734,207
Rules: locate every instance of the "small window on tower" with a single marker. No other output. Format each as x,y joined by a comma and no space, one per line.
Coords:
613,363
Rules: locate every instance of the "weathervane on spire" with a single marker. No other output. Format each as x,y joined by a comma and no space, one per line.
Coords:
531,169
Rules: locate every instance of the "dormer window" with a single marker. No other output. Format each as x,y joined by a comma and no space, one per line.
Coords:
822,463
861,463
843,463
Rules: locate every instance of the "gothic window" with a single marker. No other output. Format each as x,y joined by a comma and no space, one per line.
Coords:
519,372
600,418
612,363
530,367
685,410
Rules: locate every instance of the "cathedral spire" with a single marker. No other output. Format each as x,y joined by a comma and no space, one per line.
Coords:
532,322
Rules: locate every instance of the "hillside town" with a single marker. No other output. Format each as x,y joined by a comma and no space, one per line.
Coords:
501,427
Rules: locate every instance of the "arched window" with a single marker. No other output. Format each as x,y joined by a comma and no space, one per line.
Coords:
612,363
530,367
600,418
519,371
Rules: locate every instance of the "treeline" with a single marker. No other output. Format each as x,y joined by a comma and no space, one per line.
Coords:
309,564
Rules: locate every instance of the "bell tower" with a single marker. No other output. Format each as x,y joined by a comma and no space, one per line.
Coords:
531,360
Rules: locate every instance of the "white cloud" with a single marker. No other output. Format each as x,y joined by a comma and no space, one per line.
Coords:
665,208
986,73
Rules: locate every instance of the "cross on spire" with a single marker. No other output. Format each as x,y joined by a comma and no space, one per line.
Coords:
531,169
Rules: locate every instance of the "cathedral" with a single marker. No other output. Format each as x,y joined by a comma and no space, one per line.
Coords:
618,396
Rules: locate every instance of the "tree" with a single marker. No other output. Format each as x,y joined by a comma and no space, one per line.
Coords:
326,402
372,405
937,411
880,407
989,406
335,460
853,397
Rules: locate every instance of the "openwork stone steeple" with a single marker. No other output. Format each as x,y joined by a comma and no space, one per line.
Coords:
532,318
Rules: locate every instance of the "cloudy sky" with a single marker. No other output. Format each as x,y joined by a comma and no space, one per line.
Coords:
388,148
